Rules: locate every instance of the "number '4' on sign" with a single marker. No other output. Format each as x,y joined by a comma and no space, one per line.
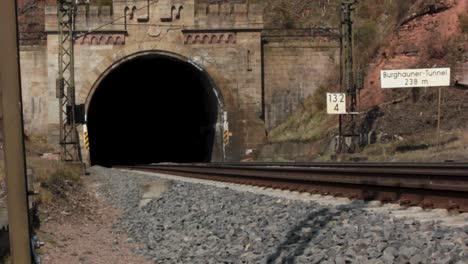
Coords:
336,103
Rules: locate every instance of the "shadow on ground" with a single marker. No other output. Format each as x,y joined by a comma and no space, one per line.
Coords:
299,237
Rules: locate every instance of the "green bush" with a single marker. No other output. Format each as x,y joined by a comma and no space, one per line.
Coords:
367,41
366,34
319,100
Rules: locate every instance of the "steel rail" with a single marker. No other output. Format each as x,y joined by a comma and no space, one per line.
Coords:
450,165
444,185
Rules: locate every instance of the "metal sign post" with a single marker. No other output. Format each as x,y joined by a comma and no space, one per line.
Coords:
10,85
439,110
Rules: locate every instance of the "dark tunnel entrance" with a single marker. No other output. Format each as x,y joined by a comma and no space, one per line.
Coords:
153,108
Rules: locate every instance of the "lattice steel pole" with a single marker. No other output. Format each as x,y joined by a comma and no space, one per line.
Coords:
70,149
347,7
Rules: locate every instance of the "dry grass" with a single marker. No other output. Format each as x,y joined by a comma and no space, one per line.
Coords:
310,122
47,173
37,145
448,146
319,101
307,124
294,130
53,179
374,22
453,146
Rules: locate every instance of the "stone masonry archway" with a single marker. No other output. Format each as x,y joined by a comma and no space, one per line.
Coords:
154,106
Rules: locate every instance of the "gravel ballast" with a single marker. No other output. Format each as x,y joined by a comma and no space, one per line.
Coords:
196,223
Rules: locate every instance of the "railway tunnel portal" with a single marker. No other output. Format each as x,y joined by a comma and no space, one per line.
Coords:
208,75
150,108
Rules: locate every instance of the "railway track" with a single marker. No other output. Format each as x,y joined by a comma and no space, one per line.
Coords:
434,185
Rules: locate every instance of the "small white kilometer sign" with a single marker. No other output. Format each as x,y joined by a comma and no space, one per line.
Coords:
336,103
415,78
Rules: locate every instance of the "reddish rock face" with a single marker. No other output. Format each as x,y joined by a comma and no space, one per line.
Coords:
31,20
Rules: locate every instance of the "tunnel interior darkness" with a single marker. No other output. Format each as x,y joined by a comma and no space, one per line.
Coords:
151,109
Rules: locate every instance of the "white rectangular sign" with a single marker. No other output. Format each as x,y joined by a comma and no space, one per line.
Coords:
336,103
415,78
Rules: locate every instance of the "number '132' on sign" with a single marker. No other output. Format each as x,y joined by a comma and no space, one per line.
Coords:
336,103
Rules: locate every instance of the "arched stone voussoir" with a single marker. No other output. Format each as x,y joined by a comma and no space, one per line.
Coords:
119,54
106,66
148,45
83,91
182,50
132,49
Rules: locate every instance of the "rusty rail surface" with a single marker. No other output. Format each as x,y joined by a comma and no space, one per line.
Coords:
443,185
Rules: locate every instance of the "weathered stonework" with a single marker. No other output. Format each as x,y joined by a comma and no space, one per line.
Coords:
223,39
34,87
294,67
31,22
101,39
210,38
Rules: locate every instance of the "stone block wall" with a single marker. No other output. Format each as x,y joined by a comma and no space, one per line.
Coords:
223,38
31,22
225,15
88,17
294,67
34,84
229,53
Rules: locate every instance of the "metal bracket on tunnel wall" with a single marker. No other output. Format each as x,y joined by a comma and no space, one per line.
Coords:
226,133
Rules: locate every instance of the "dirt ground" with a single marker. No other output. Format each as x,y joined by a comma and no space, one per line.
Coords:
85,234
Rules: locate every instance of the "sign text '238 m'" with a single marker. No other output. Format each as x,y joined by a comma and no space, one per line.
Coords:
415,78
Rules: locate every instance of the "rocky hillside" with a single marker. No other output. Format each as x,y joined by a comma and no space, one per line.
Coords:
428,37
388,35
